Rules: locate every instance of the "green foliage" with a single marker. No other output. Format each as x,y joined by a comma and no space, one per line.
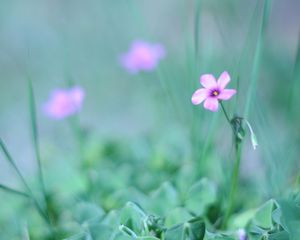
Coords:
200,196
277,220
141,162
263,216
169,212
193,229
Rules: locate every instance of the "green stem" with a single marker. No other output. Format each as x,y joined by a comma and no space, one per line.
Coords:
11,190
166,91
235,173
225,113
35,139
234,183
78,132
295,80
197,27
28,189
257,56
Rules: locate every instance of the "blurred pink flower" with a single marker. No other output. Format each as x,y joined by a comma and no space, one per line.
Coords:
64,102
213,91
142,56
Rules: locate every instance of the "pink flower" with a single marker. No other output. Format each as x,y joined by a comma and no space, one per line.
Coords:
142,56
213,91
64,102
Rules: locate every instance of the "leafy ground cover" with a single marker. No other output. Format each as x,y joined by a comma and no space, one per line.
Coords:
216,89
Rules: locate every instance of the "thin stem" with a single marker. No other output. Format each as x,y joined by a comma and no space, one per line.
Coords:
29,191
197,27
11,190
234,183
78,133
35,138
74,122
79,136
203,160
165,90
13,164
32,109
257,56
295,79
235,173
127,231
225,113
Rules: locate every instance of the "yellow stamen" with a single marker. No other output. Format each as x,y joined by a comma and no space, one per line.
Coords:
215,93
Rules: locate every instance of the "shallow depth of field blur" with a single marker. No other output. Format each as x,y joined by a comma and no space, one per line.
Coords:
140,132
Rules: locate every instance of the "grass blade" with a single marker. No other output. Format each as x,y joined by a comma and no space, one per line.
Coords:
197,27
257,57
35,135
29,192
295,79
35,139
11,190
12,163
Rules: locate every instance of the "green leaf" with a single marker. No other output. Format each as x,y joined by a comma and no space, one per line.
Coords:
148,238
99,231
242,219
164,199
216,236
119,198
85,211
121,236
177,216
175,233
276,216
132,216
283,235
200,196
112,219
263,216
257,230
196,228
220,238
193,229
290,217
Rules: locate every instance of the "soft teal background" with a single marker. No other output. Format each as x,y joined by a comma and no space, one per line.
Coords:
55,42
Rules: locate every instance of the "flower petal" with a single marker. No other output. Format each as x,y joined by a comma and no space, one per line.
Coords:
226,94
199,96
77,95
211,104
223,80
208,81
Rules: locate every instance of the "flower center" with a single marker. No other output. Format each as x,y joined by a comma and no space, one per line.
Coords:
214,93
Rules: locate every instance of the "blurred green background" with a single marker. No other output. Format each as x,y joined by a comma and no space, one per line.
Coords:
150,114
